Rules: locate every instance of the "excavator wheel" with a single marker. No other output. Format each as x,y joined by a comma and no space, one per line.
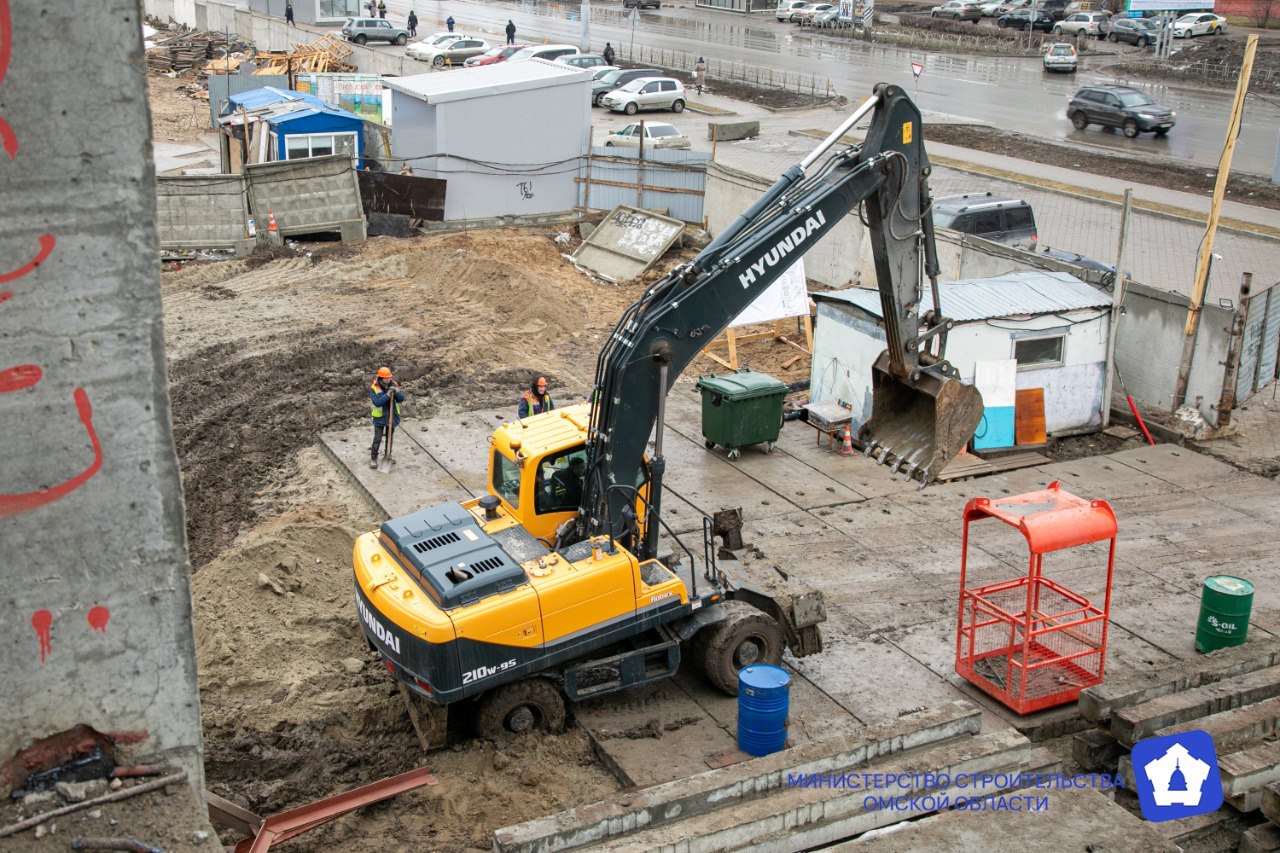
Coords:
745,636
519,708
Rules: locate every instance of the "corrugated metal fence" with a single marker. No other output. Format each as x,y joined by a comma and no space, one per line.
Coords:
674,180
1259,346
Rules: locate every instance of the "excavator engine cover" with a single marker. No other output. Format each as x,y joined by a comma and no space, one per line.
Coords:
919,425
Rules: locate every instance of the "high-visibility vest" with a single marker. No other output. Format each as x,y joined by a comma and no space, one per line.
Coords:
376,411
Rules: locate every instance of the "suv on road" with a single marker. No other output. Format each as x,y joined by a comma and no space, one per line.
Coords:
364,30
618,78
1061,57
1119,106
999,218
1084,23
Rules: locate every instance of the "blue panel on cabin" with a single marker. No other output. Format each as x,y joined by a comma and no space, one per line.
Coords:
996,428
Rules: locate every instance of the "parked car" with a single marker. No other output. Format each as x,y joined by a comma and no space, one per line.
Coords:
1137,31
1061,57
999,218
617,79
1013,5
599,71
828,18
1026,19
494,55
642,4
646,93
364,30
1084,23
787,8
805,15
1108,270
1199,24
549,52
582,60
1119,106
959,10
1056,9
454,52
656,134
991,8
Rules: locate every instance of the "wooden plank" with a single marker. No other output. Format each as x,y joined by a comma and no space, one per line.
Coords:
967,465
1028,416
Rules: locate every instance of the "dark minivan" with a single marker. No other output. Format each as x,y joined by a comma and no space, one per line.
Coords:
617,79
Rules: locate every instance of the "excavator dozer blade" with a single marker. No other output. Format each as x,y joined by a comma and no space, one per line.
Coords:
919,426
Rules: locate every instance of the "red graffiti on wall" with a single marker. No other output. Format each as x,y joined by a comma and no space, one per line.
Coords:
42,621
28,375
98,618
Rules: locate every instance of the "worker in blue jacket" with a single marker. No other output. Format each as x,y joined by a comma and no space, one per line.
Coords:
380,394
536,400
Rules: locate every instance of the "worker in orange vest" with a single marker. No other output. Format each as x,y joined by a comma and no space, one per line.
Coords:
536,400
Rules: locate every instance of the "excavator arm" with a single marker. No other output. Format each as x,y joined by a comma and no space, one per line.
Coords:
921,416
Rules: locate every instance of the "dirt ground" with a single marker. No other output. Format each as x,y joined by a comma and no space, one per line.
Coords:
1242,187
175,115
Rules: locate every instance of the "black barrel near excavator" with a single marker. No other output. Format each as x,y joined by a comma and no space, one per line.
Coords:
534,593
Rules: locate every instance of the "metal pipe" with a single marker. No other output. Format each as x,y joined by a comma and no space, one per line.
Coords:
858,115
662,410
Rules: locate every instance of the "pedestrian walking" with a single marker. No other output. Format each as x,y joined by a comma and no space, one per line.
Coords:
608,54
373,9
382,9
511,32
382,409
449,22
700,74
536,400
288,14
413,23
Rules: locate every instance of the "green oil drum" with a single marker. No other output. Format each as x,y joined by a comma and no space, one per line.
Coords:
1224,613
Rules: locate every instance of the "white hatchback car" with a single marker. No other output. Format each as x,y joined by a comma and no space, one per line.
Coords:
788,7
655,134
646,93
1061,57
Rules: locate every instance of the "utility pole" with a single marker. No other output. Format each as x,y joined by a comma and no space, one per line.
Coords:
1117,302
1205,260
585,43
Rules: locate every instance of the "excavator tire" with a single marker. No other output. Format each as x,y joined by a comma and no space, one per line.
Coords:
745,636
531,705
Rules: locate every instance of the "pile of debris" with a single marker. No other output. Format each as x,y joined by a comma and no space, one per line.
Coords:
189,49
1234,695
327,54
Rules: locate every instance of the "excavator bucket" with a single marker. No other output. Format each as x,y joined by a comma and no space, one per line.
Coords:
918,426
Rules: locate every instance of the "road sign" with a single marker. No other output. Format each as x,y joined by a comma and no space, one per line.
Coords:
917,68
634,17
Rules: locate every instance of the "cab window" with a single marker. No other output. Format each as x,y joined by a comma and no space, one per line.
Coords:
506,480
559,481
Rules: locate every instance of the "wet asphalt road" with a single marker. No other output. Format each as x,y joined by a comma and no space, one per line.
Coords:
1010,93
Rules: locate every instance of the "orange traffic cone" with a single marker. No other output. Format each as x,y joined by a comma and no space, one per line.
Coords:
847,448
271,223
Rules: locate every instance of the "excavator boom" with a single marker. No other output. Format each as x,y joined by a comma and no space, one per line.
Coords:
921,414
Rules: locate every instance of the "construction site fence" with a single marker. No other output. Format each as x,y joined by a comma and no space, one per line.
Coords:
743,72
673,181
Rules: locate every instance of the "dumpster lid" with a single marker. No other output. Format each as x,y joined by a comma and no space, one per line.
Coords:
742,384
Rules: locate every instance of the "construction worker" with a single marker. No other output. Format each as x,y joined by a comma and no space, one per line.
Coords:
566,484
536,400
380,394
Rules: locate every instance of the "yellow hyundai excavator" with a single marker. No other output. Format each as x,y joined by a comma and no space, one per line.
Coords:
551,586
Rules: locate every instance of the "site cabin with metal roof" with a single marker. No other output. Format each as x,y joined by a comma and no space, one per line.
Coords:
1048,328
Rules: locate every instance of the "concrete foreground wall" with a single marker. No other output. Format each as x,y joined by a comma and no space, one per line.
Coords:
1150,339
95,609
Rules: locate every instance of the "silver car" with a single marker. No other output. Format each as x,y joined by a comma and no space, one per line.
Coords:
655,134
1061,57
1084,23
646,93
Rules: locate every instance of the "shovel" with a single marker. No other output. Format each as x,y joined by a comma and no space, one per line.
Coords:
385,463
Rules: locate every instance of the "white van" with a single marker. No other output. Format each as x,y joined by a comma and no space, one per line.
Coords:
787,7
549,52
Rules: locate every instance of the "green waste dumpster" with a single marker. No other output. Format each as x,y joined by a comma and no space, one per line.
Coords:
740,409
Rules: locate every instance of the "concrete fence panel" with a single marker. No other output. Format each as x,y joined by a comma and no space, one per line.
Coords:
308,196
203,212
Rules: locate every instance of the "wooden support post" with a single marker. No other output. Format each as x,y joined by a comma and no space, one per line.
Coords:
1205,259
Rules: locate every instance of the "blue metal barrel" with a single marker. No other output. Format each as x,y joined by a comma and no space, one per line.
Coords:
764,700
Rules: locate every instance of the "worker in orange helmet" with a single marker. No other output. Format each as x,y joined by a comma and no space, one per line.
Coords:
536,400
381,394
